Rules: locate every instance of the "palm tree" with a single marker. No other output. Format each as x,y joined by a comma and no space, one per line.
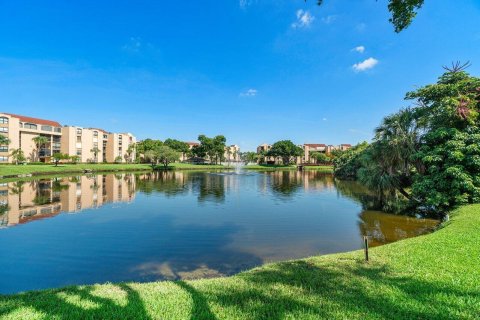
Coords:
95,152
39,142
388,162
17,155
130,151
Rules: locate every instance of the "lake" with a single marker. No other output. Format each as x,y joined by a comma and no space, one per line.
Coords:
179,225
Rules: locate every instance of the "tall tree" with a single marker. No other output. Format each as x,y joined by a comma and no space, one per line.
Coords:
286,150
179,146
17,156
95,152
167,155
39,142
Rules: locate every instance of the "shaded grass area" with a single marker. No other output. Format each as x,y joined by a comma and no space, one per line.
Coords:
267,167
36,169
436,276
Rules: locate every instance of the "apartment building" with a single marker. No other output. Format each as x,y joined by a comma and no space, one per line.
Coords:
308,148
232,153
89,144
21,130
97,145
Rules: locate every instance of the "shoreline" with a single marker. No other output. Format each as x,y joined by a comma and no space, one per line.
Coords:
397,282
32,171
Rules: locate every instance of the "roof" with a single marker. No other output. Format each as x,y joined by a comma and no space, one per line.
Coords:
98,130
315,145
35,120
346,145
193,143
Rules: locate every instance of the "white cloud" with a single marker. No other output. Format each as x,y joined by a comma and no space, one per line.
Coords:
134,44
359,49
324,119
304,19
365,65
249,93
329,19
361,27
245,3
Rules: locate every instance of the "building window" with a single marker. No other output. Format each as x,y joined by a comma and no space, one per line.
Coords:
3,159
105,136
59,130
3,129
3,120
3,148
79,152
95,133
30,126
79,131
120,137
79,139
47,128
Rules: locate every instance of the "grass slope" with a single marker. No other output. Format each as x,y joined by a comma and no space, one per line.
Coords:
436,276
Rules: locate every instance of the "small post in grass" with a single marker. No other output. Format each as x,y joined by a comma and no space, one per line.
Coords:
365,241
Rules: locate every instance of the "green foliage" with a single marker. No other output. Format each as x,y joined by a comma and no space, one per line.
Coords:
321,157
249,157
177,145
348,162
403,12
286,150
57,157
18,156
118,159
213,148
429,153
75,159
146,145
166,155
452,175
4,140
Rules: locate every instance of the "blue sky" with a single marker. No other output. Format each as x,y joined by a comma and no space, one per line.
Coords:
254,70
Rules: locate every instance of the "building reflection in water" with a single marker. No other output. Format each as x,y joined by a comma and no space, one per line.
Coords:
22,202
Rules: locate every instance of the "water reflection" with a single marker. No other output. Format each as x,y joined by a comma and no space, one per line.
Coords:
384,228
180,225
28,201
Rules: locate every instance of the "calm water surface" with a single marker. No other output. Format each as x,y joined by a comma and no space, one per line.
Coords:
179,225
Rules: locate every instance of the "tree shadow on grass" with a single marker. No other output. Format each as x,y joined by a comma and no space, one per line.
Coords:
86,304
351,291
298,289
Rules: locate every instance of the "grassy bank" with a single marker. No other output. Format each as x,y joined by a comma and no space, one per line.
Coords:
48,169
267,167
436,276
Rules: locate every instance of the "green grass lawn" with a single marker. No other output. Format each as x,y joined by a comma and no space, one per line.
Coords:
436,276
13,170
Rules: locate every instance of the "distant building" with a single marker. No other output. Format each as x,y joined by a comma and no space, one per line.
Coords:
308,149
232,153
110,147
71,140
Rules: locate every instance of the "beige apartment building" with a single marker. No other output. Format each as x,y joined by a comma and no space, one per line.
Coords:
21,130
71,140
308,148
97,145
232,153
